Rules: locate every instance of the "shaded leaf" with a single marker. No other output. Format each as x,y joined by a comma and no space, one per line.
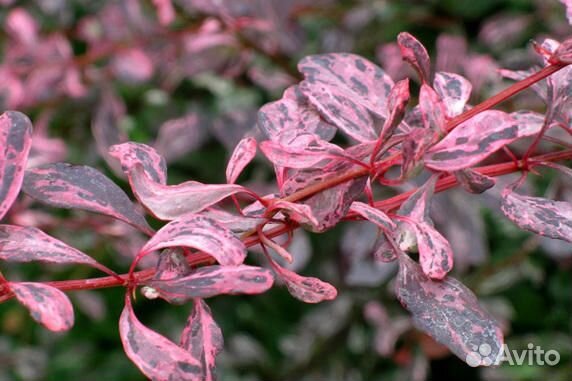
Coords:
82,187
396,103
242,155
156,356
15,143
172,264
201,233
448,311
209,281
418,204
473,181
538,215
202,337
306,289
48,305
454,90
415,54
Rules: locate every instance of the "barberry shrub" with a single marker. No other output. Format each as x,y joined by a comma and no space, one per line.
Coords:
337,139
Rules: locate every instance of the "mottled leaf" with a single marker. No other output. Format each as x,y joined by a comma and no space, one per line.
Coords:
415,54
209,281
298,212
242,155
396,103
236,223
473,181
454,90
156,356
449,312
168,202
26,244
306,289
476,139
15,143
81,187
538,215
47,305
131,154
313,153
172,264
202,337
435,253
201,233
347,90
373,215
432,109
418,204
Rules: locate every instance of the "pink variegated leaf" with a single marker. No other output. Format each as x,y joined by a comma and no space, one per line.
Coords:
292,112
415,145
454,90
306,289
346,89
418,204
373,215
298,212
236,223
172,264
168,202
132,65
131,154
448,312
209,281
432,109
82,187
156,356
165,11
476,139
201,233
202,337
15,143
415,54
396,103
26,244
314,154
383,250
241,156
473,181
435,253
538,215
48,306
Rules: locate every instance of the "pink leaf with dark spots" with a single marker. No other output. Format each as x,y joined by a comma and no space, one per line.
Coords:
415,54
435,253
417,206
15,143
168,202
81,187
26,244
292,112
383,250
47,305
454,90
473,181
314,154
346,89
306,289
131,154
202,337
172,264
415,145
538,215
236,223
298,212
447,311
156,356
432,109
241,156
373,215
209,281
396,103
476,139
201,233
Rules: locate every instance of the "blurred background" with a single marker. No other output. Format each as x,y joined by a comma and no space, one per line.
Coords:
188,77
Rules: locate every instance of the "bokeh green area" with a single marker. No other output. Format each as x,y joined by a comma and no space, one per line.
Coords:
274,337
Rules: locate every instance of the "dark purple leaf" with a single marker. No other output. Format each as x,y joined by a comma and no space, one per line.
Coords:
131,154
209,281
473,181
48,305
454,90
156,356
202,337
476,139
347,90
416,55
16,141
242,155
168,202
81,187
201,233
538,215
449,312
